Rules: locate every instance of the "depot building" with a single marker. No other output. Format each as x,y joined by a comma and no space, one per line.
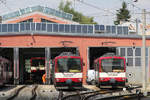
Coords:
43,33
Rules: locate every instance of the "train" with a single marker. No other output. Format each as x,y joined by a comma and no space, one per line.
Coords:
67,71
6,72
110,71
37,69
37,63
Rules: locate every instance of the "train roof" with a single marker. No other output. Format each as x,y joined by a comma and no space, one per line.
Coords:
37,58
109,55
69,54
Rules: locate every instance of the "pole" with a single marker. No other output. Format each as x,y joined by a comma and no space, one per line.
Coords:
143,50
137,23
74,4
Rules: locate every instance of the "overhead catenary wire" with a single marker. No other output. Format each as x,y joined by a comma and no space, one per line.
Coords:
136,7
4,3
102,9
88,4
132,4
113,14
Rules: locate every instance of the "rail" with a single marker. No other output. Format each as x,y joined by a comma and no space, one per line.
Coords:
130,92
17,91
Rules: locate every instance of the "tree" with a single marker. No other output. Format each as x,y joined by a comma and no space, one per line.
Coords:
123,14
77,16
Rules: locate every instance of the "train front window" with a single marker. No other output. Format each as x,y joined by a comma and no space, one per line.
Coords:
68,65
112,65
38,62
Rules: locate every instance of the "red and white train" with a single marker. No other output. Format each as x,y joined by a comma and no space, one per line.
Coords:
37,69
67,71
110,70
5,71
37,63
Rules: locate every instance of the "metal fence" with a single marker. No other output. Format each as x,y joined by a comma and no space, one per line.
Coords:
112,29
64,28
46,10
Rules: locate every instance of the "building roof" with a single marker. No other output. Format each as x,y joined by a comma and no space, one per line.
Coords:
38,8
108,35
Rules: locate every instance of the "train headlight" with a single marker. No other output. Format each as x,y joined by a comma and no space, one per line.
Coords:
102,79
57,80
123,79
80,79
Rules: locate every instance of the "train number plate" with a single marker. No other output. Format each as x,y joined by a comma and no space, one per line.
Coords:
68,75
112,74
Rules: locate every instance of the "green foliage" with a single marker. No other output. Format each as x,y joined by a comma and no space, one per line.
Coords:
123,14
77,16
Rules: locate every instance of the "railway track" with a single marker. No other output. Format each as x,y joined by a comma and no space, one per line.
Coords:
43,94
84,96
34,94
21,94
103,95
16,92
102,92
123,97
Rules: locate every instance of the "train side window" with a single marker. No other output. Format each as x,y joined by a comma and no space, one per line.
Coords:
54,67
97,66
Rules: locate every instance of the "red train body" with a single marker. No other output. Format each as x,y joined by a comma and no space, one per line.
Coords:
68,70
37,64
37,69
110,71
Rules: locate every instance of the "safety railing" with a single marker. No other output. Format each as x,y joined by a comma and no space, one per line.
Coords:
64,28
46,10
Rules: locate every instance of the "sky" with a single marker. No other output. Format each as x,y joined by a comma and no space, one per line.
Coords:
103,11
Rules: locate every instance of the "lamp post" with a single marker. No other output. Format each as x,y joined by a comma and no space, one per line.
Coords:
143,51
